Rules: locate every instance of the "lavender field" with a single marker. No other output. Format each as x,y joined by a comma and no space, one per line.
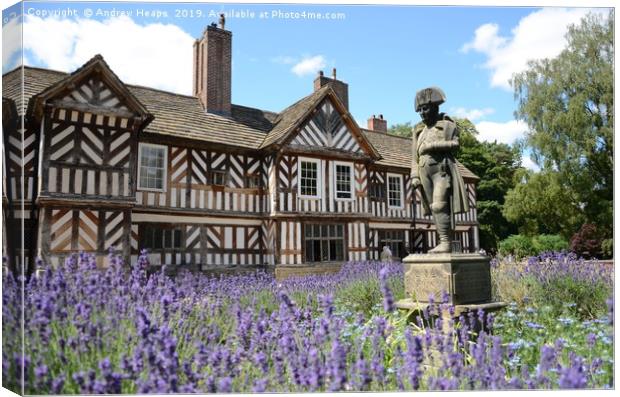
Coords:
121,331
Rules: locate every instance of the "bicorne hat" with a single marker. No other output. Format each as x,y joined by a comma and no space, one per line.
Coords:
429,95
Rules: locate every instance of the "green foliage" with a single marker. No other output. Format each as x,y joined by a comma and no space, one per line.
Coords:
588,297
403,129
540,203
549,243
568,105
521,246
607,246
517,245
577,288
495,164
364,296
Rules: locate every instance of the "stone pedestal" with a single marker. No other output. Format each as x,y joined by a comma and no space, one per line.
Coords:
465,277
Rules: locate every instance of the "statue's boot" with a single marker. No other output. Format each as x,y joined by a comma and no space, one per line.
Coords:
442,248
442,221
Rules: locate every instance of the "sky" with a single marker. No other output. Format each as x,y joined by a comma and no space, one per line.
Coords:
384,53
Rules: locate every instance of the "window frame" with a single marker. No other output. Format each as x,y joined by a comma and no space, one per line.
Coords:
351,179
301,160
151,228
256,177
211,179
402,200
371,191
325,240
165,176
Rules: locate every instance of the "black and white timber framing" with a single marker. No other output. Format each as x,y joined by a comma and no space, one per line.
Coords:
71,161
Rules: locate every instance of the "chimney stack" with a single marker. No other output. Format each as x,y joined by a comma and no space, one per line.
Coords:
340,88
377,123
212,68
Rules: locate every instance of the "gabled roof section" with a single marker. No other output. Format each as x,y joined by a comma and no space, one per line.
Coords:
291,119
80,90
396,152
292,116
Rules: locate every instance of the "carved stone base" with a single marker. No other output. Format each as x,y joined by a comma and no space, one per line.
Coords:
466,278
489,307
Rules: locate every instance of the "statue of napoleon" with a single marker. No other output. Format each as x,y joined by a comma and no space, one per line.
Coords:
434,167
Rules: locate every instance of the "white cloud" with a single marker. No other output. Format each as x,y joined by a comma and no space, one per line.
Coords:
506,132
11,44
539,35
472,114
153,55
486,39
309,65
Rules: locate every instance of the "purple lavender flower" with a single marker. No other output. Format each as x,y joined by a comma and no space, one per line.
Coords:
574,376
57,384
337,367
224,385
388,298
260,385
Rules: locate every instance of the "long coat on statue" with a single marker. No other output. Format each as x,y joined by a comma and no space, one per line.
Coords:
443,137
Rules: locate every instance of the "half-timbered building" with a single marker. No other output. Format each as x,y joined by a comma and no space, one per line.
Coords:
93,164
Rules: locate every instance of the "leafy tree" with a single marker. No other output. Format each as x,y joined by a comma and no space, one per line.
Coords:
549,243
540,204
403,129
568,105
607,248
517,245
495,164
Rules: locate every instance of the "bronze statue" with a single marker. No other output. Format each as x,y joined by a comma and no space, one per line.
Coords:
434,166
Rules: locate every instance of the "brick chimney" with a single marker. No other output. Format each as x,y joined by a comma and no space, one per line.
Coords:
377,123
212,68
340,88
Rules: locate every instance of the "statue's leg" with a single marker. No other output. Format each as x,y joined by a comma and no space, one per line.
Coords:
441,211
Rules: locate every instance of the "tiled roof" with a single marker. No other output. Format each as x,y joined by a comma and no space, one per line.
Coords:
183,116
36,80
396,151
175,114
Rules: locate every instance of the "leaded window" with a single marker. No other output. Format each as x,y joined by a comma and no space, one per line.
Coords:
395,191
377,190
161,238
324,242
309,181
218,178
343,181
252,181
152,171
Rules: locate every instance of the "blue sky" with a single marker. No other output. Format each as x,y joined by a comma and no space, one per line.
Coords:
384,53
